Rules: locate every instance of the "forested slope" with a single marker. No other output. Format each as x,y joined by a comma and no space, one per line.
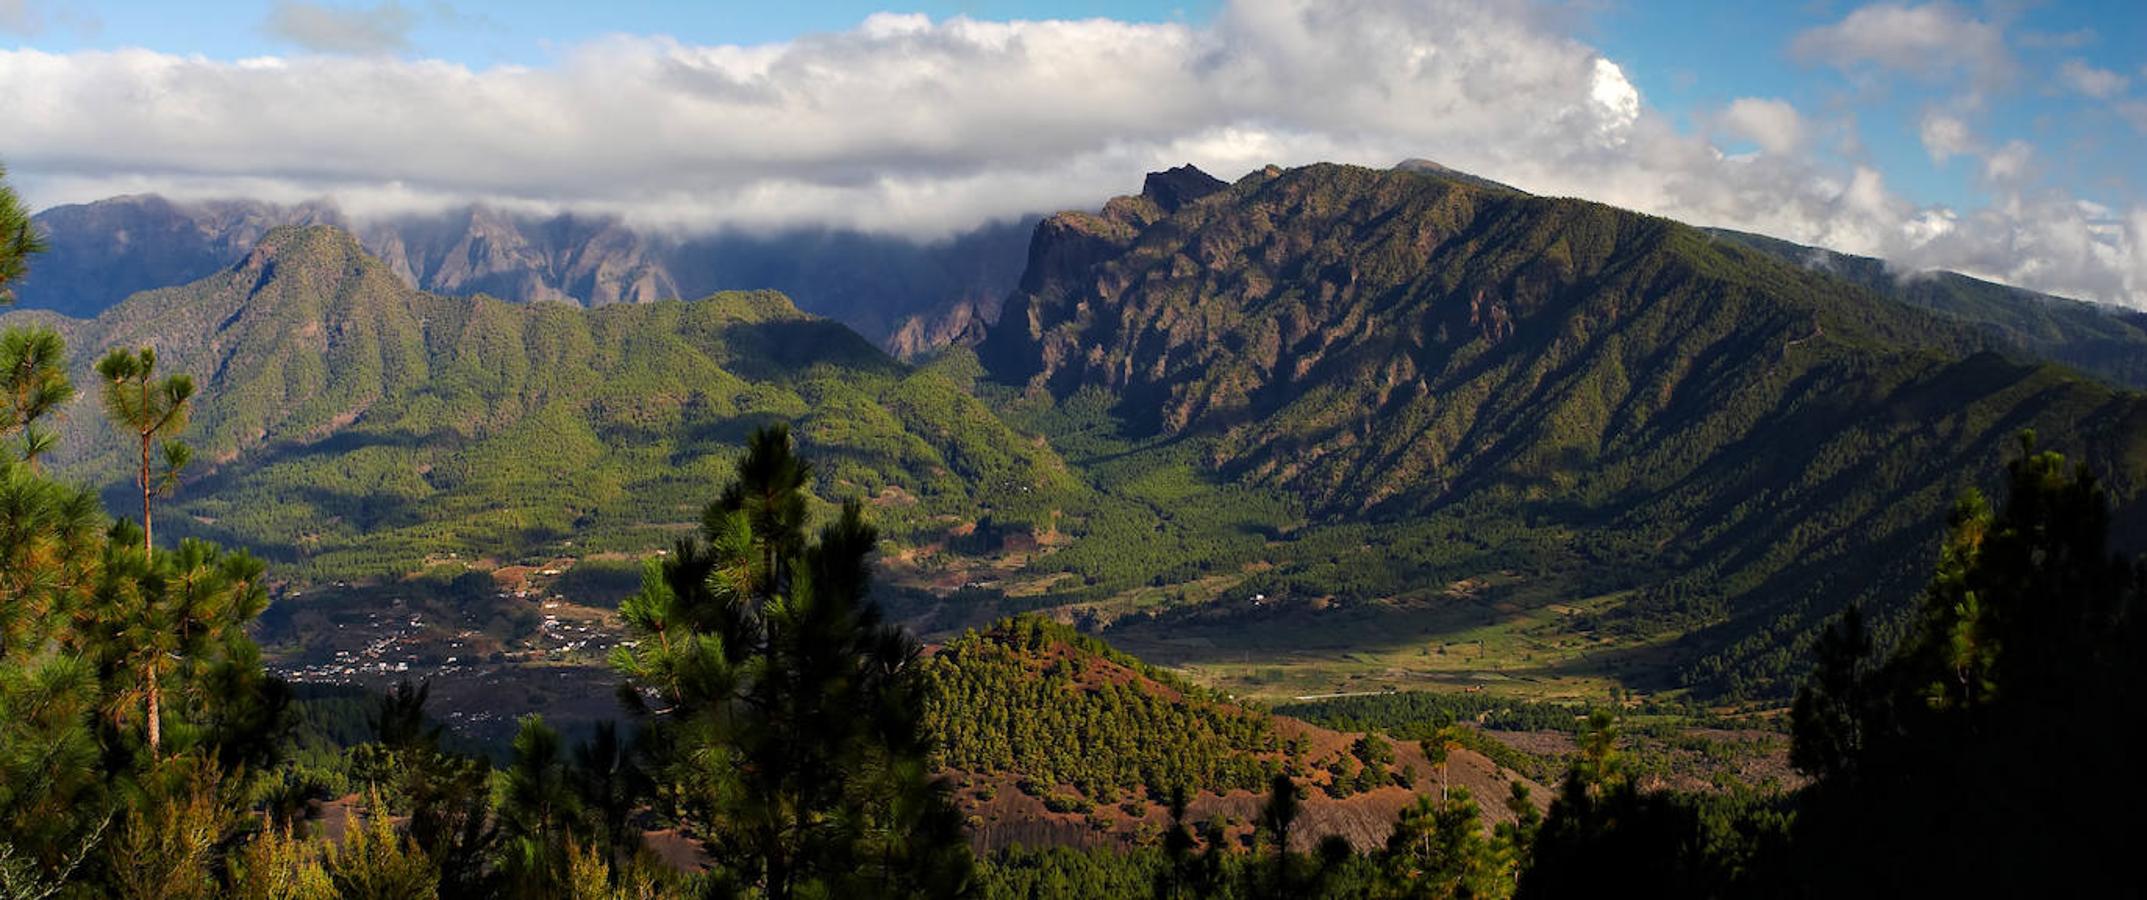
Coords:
1430,361
353,426
1056,738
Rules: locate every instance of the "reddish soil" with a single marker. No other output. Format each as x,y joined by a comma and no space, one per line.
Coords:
1011,817
1693,761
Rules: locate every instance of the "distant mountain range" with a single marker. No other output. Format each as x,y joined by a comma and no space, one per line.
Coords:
349,425
911,298
1319,401
889,289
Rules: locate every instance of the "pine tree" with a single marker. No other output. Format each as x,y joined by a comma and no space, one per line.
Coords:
33,385
786,713
1285,801
1827,714
1438,849
166,846
147,408
174,616
376,863
452,821
19,239
49,547
398,719
608,783
277,865
1940,767
97,636
1178,877
537,809
52,782
1439,749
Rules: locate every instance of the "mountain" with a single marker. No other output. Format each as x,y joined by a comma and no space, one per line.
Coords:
1331,417
101,253
349,425
105,251
876,285
1456,382
2105,341
564,258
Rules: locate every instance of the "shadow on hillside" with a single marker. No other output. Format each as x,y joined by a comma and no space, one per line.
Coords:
780,350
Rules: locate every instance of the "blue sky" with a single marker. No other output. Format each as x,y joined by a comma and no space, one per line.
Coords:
1693,55
1996,136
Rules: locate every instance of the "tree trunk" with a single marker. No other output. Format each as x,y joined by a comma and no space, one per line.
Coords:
148,545
156,727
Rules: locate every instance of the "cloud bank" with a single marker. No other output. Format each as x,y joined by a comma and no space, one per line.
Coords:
912,126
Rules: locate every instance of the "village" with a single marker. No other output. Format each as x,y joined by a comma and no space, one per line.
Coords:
527,646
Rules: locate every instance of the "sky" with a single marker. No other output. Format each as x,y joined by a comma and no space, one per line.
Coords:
1995,137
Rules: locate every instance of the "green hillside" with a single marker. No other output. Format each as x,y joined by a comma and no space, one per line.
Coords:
1690,449
1048,704
1055,738
350,426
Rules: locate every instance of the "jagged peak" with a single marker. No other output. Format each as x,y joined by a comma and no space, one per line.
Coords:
1172,189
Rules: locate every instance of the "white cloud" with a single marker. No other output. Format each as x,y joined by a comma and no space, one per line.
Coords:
1945,136
2101,84
381,28
2048,241
1937,41
2008,164
919,127
1772,124
1617,102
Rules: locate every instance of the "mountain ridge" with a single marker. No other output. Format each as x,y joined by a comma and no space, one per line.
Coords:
351,425
1425,354
911,298
2108,342
105,251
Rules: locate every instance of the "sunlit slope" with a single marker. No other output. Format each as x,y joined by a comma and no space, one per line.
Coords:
349,425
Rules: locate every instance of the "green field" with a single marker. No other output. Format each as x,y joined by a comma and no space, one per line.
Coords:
1504,635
